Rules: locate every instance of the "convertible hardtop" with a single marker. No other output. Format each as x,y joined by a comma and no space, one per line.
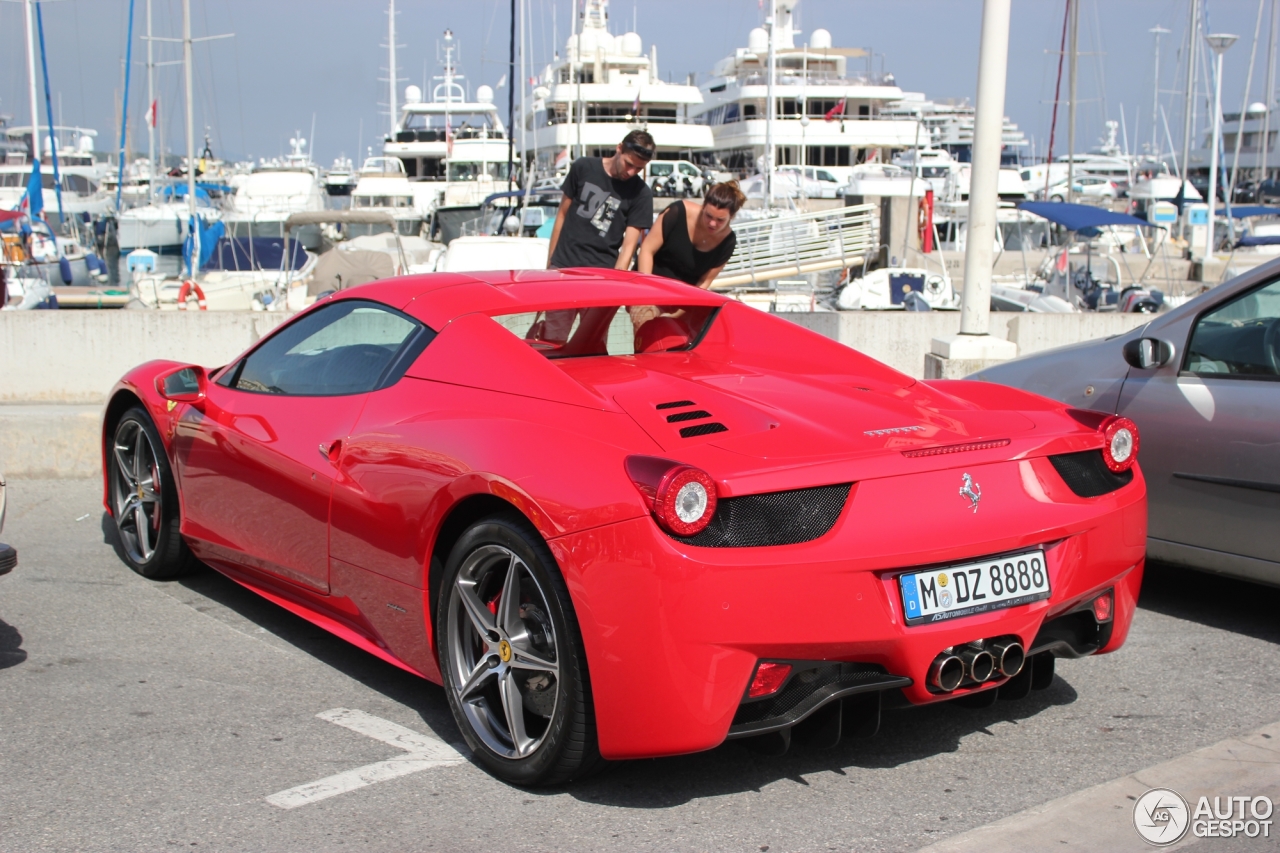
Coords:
438,298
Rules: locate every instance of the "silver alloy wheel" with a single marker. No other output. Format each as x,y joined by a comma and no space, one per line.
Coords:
503,663
136,491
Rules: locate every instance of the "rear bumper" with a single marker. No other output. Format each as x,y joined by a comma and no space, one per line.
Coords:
673,632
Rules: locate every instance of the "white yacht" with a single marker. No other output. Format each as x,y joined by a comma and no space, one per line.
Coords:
826,115
454,147
80,171
266,197
948,126
383,185
340,177
604,87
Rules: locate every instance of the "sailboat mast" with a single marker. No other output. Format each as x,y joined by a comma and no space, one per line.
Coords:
1193,41
151,100
770,110
31,84
191,138
1271,75
1155,98
511,105
391,63
1071,104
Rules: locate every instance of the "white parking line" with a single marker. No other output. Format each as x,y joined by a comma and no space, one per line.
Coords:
424,752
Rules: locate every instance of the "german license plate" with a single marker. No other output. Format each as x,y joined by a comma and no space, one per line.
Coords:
966,590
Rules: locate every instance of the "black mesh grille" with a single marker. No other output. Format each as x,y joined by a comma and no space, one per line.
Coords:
800,692
687,416
776,518
1087,475
702,429
676,404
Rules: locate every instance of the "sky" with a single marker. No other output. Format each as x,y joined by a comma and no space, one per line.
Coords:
292,64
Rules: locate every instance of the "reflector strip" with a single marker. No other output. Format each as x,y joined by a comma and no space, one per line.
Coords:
957,448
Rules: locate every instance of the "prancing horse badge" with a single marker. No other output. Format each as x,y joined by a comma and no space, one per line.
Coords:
972,491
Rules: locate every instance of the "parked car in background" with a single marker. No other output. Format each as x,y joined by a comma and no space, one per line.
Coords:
1088,186
1202,382
677,179
829,185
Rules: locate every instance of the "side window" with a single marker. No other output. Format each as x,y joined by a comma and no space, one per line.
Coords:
349,347
686,169
658,170
1240,337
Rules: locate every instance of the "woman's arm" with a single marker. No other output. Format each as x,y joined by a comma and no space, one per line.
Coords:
652,243
710,276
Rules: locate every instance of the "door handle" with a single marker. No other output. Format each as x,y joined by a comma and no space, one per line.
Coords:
332,451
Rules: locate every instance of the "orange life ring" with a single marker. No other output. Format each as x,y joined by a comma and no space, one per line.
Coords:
184,293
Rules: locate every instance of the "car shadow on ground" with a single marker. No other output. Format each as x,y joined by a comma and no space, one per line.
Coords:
1216,601
906,735
11,651
422,696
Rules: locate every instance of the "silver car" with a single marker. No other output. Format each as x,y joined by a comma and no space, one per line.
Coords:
1202,382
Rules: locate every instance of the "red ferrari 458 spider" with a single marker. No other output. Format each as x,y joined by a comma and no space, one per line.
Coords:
616,516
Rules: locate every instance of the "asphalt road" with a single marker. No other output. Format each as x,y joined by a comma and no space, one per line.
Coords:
137,715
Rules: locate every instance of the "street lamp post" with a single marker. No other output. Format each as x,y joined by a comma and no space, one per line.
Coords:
1218,43
974,347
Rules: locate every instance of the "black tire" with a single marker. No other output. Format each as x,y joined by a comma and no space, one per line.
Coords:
556,707
135,460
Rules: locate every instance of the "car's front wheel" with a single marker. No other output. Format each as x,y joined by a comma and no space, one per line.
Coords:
144,499
512,658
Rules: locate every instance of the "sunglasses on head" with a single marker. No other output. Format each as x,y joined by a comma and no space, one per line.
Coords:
638,149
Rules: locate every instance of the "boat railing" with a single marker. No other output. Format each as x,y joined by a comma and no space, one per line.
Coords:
791,244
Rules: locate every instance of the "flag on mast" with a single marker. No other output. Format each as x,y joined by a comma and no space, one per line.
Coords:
836,111
151,113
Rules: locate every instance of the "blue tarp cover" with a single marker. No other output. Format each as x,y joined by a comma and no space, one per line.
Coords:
1076,217
254,253
1247,210
209,237
1264,240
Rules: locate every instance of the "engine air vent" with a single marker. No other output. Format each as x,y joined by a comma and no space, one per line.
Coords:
1087,475
702,429
676,404
696,414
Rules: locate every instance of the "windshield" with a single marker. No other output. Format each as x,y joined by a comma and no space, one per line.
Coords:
611,330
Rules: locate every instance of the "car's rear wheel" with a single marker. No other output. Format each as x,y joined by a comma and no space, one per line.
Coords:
512,658
144,499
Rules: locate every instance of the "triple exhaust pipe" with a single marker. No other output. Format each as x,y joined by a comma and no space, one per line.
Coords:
976,662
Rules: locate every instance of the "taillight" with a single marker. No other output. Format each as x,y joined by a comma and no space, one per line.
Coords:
1103,607
682,498
768,679
1120,443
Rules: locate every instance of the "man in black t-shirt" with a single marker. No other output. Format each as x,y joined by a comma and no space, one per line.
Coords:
606,208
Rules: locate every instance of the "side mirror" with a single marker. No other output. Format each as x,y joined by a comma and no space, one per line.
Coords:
183,385
1148,353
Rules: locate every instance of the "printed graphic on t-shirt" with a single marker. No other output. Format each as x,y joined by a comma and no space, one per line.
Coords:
598,205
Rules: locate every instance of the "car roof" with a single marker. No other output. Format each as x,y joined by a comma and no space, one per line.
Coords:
438,298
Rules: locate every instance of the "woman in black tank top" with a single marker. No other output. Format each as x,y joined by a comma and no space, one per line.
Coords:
692,242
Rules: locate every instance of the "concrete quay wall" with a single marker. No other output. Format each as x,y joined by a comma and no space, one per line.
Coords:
56,367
